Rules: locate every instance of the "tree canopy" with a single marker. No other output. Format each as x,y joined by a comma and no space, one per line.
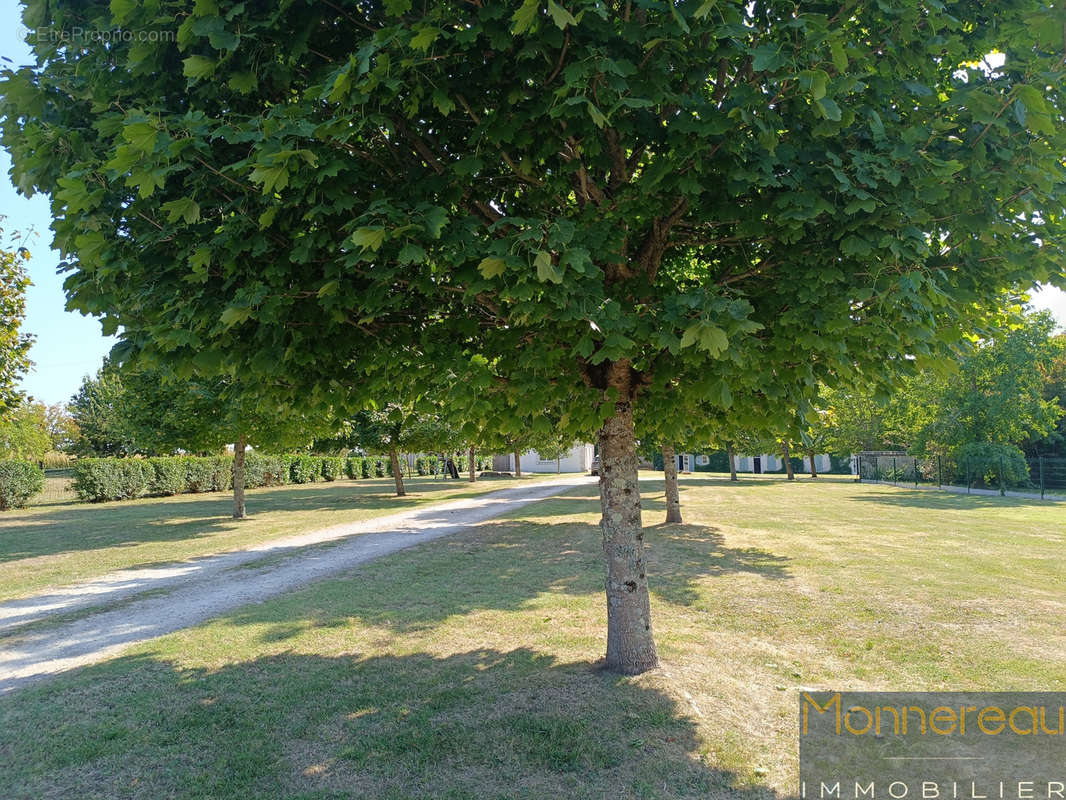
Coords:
592,201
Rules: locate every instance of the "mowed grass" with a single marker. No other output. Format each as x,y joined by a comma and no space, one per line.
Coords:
48,546
468,667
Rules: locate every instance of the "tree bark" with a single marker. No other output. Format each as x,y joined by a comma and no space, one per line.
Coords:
517,464
732,461
788,461
473,466
239,511
630,643
814,469
397,475
673,496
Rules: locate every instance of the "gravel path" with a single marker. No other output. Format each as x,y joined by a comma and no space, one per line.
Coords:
189,592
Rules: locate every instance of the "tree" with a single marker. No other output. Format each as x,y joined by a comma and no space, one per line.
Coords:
62,429
601,201
24,432
14,344
97,410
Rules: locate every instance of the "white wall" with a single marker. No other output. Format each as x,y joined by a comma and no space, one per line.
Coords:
579,459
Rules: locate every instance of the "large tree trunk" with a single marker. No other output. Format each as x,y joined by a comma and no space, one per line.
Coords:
517,464
397,476
732,461
238,477
814,469
673,496
630,644
473,466
788,461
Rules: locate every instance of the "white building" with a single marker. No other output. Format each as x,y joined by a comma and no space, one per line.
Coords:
579,459
754,464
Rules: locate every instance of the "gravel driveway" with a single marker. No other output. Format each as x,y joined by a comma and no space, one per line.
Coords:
110,614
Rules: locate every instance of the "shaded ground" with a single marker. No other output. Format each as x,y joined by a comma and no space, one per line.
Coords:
467,666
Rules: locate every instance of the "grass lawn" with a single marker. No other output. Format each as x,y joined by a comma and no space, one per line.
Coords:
467,667
51,545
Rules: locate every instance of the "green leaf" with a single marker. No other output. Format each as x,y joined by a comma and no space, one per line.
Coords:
818,79
411,253
328,288
425,38
597,116
122,10
369,238
829,108
705,9
547,272
560,15
713,339
492,266
442,102
234,315
141,136
197,67
200,260
184,208
267,217
766,57
436,218
525,16
273,177
243,82
839,57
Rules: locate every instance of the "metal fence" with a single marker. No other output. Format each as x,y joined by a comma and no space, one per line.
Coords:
58,488
1043,477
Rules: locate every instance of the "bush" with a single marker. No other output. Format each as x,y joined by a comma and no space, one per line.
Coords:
168,476
55,460
993,465
263,470
353,467
19,481
332,468
305,469
379,467
209,474
366,468
100,479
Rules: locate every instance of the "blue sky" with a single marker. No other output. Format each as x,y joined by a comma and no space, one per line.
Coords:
69,345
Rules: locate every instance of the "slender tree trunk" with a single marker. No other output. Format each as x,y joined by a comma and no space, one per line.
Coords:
238,477
788,461
673,496
517,464
732,461
473,466
397,475
814,469
630,643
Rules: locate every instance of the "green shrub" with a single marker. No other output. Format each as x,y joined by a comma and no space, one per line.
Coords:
305,469
993,465
332,468
366,468
168,476
265,470
208,474
19,481
100,479
379,467
420,466
353,467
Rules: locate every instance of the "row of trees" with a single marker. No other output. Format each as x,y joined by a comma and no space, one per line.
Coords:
585,212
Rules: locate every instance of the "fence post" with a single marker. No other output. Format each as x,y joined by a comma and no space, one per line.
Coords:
915,473
1041,462
968,478
1002,491
939,473
894,474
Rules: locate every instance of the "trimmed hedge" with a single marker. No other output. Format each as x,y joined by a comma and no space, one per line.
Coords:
305,469
333,467
100,479
263,470
168,476
210,474
19,481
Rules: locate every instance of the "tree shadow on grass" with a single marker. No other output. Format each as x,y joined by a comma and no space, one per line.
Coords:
479,724
91,526
948,501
